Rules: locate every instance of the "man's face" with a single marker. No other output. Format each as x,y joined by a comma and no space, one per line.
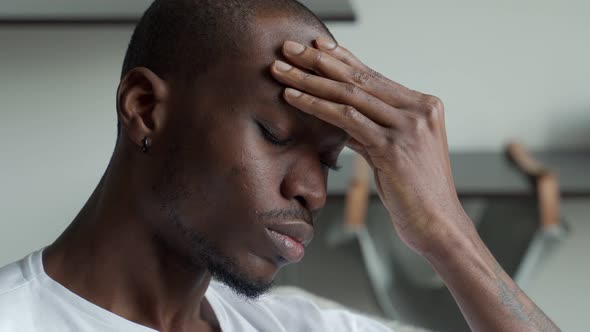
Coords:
239,161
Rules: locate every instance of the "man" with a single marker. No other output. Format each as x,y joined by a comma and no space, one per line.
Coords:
230,115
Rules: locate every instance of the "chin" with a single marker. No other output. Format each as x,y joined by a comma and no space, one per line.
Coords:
250,287
247,274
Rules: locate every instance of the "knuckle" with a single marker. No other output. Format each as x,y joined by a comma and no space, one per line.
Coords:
351,89
391,146
305,76
374,73
398,149
383,141
350,113
360,77
432,106
345,55
418,124
313,101
318,59
312,105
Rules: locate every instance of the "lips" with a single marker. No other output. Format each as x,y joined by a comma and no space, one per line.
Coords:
299,231
290,238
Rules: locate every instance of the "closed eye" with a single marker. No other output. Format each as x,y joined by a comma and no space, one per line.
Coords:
270,137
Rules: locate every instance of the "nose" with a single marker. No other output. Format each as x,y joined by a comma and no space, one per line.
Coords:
306,183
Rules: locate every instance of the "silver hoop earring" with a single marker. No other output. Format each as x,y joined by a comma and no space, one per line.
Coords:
146,144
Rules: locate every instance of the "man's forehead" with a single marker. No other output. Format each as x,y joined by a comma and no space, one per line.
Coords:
248,76
274,31
262,44
271,31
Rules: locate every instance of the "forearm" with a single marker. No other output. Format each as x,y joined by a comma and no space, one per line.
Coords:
487,296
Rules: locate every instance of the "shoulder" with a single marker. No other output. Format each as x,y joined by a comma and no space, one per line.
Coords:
16,296
299,311
13,278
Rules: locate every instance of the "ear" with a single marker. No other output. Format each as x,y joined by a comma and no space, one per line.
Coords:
141,98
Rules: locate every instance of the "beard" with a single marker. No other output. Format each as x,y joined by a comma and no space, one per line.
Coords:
202,253
226,271
192,248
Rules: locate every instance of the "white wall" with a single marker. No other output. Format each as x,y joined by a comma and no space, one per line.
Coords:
507,69
504,68
57,127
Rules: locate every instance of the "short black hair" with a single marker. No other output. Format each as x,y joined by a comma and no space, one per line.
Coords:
182,38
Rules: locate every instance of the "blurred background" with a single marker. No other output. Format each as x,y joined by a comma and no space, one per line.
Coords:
506,70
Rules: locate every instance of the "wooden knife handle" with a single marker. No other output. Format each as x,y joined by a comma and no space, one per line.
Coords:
524,160
357,195
546,181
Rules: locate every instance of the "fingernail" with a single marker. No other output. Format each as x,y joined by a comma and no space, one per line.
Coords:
325,43
294,48
282,66
292,93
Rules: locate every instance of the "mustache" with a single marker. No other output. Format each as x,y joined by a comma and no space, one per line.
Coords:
288,214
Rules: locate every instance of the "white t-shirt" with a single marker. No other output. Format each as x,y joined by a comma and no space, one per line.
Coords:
31,301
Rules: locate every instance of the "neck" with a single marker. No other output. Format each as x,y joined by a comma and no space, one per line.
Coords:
109,257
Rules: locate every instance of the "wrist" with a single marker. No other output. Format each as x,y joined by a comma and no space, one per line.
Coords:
459,246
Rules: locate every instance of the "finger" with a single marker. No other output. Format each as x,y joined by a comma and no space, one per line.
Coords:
357,147
321,63
340,53
346,117
346,68
389,91
339,92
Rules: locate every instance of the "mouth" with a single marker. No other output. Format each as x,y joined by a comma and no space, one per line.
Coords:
290,239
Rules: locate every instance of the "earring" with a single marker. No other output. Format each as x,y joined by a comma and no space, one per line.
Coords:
146,144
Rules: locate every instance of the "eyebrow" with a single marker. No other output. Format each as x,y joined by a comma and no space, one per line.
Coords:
277,102
340,138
